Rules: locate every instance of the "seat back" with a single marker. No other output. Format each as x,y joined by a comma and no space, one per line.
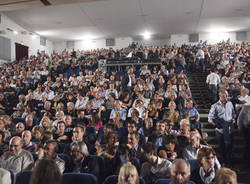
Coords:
167,181
23,177
114,180
193,164
79,178
66,159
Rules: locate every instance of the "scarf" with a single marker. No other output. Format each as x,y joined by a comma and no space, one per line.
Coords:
204,178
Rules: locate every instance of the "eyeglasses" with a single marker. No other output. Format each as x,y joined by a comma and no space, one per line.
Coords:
209,158
14,145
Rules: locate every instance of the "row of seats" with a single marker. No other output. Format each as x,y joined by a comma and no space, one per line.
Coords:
83,178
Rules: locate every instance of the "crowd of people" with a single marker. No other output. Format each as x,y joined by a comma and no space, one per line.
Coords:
61,109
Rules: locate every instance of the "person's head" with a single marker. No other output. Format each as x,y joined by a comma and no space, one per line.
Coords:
132,126
78,132
45,122
19,128
206,158
244,92
117,116
149,152
195,138
149,123
160,128
46,171
61,126
26,137
223,95
133,138
189,103
37,132
170,142
111,138
78,150
50,149
169,125
128,174
225,176
180,171
15,145
68,120
47,105
29,121
70,106
185,127
117,104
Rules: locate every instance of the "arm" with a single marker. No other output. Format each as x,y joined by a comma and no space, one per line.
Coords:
211,115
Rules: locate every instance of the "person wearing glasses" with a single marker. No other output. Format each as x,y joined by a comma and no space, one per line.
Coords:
205,174
16,159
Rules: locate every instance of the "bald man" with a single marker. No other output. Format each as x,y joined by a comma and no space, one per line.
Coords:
180,172
16,159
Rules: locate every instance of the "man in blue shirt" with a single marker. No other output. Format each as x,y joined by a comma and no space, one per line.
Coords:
221,115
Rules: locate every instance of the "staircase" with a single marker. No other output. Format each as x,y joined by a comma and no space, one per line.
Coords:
197,84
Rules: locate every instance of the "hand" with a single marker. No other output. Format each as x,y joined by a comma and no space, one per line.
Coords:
213,123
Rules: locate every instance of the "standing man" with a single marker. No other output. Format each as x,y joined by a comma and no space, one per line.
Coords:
213,81
221,115
127,83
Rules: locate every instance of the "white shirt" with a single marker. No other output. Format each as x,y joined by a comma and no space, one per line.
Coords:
80,104
213,78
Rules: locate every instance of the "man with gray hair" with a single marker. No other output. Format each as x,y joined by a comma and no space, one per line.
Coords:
16,159
180,172
82,162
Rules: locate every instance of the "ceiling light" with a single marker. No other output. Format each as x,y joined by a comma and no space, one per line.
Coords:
146,35
15,32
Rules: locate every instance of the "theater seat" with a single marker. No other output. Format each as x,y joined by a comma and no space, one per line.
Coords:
114,180
193,164
79,178
12,177
66,159
23,177
168,181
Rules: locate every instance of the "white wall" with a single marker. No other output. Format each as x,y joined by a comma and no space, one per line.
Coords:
59,46
32,43
211,38
93,44
154,42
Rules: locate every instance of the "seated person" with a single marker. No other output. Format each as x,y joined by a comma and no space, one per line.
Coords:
225,175
180,172
128,174
158,136
81,161
154,167
169,148
60,134
49,151
205,174
27,144
16,159
191,151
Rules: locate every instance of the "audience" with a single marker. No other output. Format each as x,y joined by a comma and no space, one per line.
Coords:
60,104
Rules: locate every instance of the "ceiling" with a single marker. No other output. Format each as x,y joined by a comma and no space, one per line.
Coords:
121,18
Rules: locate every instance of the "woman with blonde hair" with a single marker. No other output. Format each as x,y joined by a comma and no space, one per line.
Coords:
225,175
128,174
46,124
